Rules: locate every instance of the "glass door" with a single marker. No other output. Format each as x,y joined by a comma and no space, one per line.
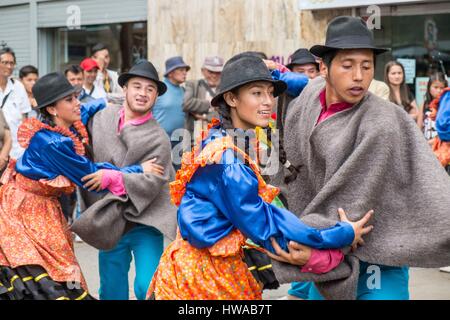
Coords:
127,43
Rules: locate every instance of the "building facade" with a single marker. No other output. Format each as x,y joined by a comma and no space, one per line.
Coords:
52,34
417,31
199,28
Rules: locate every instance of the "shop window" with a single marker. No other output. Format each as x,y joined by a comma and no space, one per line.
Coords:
428,42
127,43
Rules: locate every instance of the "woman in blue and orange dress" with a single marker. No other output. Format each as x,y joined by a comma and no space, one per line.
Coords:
440,112
223,201
37,259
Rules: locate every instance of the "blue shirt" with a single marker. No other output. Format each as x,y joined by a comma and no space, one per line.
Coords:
223,197
51,154
168,110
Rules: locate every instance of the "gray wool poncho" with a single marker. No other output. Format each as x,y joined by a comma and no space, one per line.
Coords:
147,202
372,156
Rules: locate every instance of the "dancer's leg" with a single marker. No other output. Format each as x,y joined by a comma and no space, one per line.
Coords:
147,244
114,266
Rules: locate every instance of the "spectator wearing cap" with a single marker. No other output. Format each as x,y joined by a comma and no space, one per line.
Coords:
197,99
302,61
14,101
168,110
90,71
107,79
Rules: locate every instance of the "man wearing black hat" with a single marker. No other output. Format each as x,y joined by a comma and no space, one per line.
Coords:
302,61
354,150
135,222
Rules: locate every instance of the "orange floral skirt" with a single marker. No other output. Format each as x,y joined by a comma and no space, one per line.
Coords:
216,273
33,230
442,151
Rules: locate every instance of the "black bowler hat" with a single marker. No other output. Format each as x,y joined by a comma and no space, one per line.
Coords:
143,69
51,88
243,69
347,33
301,57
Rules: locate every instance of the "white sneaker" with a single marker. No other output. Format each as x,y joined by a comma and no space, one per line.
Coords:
445,269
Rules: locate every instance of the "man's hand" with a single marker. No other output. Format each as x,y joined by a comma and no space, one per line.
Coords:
150,166
358,227
298,254
93,181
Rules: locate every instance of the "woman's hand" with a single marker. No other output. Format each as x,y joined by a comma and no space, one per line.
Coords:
298,254
93,181
358,227
150,166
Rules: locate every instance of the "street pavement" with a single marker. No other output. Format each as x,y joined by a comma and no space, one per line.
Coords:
425,284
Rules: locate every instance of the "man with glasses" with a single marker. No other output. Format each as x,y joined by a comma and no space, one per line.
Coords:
13,98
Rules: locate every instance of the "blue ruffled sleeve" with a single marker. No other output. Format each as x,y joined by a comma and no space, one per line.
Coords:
237,197
89,109
443,118
200,222
61,157
296,82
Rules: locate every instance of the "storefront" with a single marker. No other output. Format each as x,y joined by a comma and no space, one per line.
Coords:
55,33
418,32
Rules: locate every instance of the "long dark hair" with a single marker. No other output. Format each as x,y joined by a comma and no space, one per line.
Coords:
282,156
404,90
437,76
224,111
46,117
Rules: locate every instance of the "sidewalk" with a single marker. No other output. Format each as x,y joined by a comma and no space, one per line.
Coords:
425,284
